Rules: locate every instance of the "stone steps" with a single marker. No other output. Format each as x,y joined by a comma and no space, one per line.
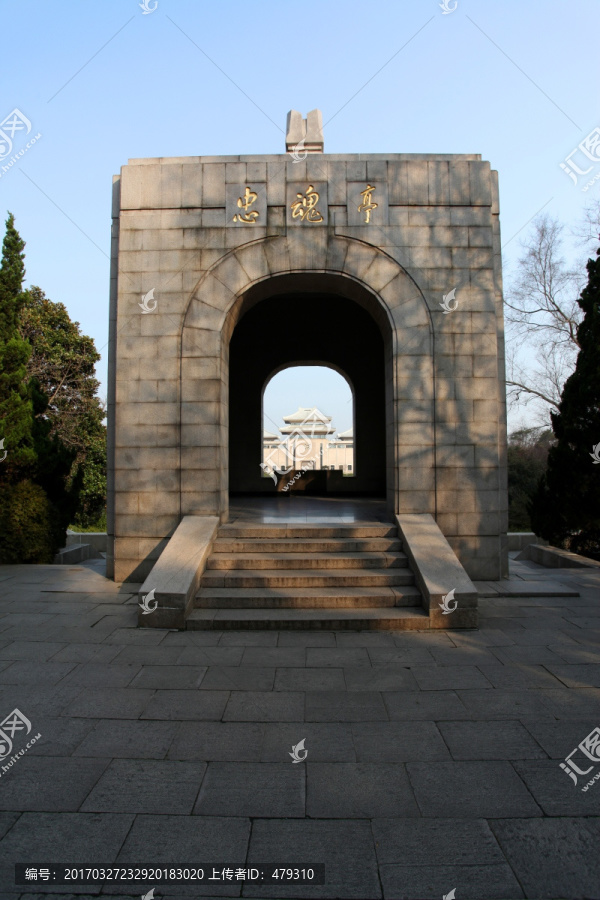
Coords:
315,560
307,545
352,575
270,578
310,597
357,619
314,532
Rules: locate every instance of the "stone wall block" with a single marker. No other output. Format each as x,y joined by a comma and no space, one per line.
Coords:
278,257
439,183
418,183
213,185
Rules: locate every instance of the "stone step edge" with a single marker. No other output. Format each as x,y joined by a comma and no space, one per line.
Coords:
324,555
281,580
405,618
309,542
235,600
408,590
308,531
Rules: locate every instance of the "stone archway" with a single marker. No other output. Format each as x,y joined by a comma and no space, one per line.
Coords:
346,267
428,231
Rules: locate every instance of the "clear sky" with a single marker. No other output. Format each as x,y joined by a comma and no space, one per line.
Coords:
102,82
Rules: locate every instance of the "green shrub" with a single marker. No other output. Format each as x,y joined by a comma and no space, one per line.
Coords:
29,525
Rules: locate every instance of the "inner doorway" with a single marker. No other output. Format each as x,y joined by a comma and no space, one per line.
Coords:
296,328
308,428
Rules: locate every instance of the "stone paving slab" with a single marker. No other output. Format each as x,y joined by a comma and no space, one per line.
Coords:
124,738
161,677
222,741
358,790
345,847
519,677
555,792
109,703
490,740
502,704
62,735
260,706
391,677
471,790
40,651
328,743
146,786
308,639
433,760
207,656
40,784
339,706
240,678
185,840
557,739
310,679
430,705
62,837
473,882
31,671
263,790
185,704
552,857
398,742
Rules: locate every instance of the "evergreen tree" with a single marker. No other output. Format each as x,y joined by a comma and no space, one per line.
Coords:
16,408
527,461
62,367
566,507
38,496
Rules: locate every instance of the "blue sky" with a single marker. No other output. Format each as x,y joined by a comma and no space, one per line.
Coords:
102,82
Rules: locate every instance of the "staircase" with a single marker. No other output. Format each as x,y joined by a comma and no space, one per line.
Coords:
338,576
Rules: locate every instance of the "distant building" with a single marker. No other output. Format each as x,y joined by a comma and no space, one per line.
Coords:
308,440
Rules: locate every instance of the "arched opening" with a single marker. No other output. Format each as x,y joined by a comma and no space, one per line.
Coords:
307,428
295,321
220,388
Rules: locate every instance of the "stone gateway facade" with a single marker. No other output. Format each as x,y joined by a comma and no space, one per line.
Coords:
385,267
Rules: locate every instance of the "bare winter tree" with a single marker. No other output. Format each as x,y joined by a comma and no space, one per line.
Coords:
542,315
588,230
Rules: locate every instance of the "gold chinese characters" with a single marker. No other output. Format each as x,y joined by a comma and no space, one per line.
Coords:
367,205
248,217
305,207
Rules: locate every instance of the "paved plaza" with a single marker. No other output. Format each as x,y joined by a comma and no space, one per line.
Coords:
433,758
